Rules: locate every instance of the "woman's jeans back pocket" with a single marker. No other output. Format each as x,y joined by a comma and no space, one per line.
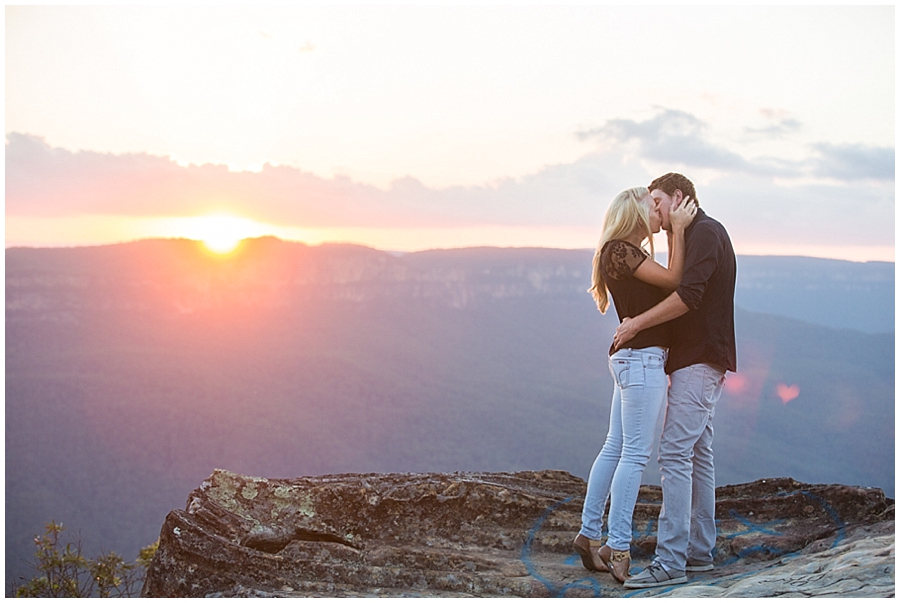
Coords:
627,372
629,367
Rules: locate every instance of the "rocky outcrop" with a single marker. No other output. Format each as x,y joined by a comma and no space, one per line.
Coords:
502,534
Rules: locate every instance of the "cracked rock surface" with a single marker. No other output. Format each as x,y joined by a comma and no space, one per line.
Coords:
502,534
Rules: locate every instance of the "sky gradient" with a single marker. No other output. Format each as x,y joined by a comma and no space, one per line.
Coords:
417,127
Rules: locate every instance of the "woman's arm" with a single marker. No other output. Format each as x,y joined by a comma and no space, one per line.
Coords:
669,278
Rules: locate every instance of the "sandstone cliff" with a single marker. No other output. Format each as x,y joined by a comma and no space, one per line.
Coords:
502,534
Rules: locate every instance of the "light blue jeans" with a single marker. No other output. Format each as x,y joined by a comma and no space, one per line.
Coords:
687,521
638,398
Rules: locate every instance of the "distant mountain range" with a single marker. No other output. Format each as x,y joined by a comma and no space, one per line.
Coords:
831,293
134,370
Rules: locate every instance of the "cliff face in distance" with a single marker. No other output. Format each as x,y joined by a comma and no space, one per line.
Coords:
502,534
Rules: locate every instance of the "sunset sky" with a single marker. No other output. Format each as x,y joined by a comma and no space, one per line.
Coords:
415,127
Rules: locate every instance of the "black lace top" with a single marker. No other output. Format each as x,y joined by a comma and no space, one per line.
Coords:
631,296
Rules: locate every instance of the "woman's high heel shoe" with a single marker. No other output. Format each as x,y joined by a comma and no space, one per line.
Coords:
618,563
591,553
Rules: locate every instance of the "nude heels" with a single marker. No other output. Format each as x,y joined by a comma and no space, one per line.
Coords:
618,563
591,552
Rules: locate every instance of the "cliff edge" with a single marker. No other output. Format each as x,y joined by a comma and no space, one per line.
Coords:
502,534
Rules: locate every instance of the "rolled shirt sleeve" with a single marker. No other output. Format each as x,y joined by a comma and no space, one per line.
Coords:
700,260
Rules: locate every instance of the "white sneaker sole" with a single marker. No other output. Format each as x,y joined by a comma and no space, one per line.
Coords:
630,584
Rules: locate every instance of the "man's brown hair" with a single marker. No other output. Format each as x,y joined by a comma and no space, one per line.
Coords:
671,182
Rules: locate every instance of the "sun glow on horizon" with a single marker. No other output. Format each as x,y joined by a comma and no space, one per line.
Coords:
222,233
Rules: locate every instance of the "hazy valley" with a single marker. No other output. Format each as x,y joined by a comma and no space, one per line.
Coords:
132,371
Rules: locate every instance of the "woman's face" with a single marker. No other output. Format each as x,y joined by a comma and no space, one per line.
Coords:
655,215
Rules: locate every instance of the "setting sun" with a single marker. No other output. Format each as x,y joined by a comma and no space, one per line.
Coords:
221,234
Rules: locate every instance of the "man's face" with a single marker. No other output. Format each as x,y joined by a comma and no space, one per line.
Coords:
653,214
665,203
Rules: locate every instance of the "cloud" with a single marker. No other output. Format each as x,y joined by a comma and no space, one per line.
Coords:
46,181
780,125
680,138
42,180
780,129
853,162
854,205
836,214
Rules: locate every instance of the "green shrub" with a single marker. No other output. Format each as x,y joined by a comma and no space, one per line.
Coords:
63,571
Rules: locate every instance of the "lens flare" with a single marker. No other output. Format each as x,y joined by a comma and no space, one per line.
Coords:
787,392
736,384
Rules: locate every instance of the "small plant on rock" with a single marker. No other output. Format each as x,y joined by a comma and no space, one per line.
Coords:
63,571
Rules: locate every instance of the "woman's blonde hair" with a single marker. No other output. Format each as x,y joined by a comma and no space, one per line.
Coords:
626,214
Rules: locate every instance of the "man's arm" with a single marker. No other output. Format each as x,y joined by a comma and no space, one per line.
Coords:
667,309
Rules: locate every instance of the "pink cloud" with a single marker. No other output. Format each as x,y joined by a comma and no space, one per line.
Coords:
47,182
44,181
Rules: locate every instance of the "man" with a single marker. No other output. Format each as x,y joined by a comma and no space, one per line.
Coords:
703,349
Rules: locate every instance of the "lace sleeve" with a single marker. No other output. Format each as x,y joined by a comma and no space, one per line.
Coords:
620,259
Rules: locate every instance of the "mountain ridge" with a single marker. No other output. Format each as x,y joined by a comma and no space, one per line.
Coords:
828,292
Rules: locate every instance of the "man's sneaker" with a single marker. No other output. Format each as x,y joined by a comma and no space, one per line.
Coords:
698,566
656,575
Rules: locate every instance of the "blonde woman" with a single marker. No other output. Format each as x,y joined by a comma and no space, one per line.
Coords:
623,269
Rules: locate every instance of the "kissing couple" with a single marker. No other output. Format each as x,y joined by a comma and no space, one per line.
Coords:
673,346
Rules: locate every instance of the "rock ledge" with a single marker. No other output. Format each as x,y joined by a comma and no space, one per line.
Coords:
502,534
